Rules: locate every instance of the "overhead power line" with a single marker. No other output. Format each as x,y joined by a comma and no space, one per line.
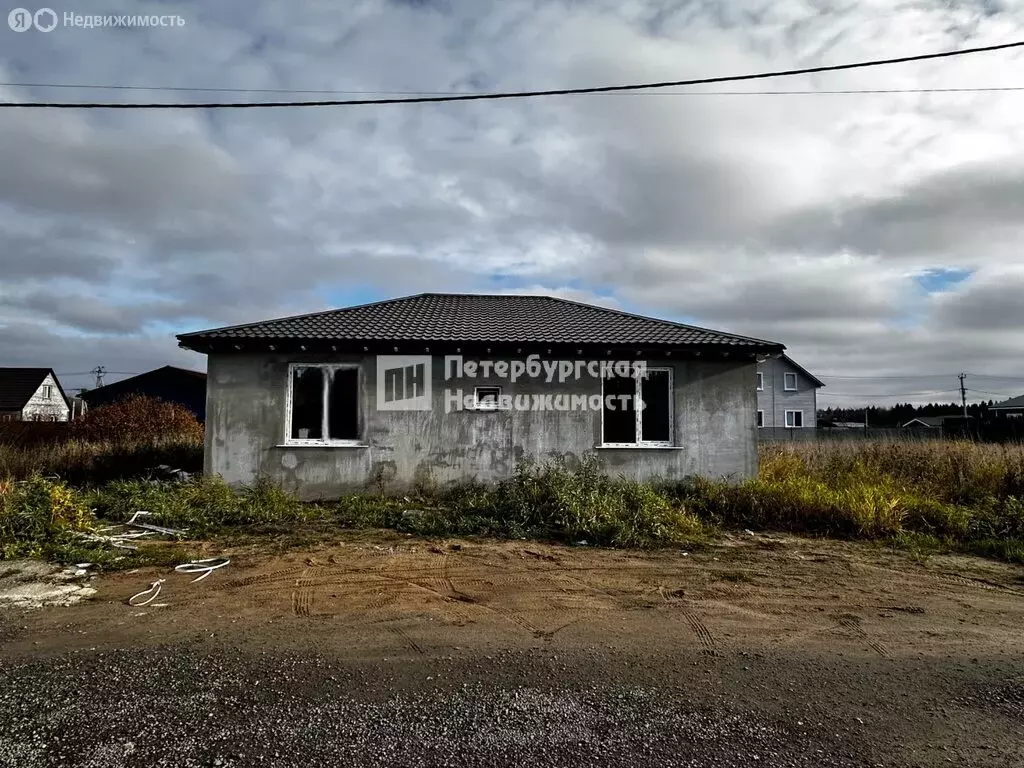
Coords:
514,94
893,394
996,378
797,92
880,378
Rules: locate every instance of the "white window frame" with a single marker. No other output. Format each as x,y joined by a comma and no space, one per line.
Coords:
785,382
46,392
792,426
484,406
640,442
760,381
289,399
760,419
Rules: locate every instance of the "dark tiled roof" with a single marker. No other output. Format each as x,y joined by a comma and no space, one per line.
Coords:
479,318
17,385
1014,403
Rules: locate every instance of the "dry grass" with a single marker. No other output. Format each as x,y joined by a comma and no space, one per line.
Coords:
920,496
946,494
113,442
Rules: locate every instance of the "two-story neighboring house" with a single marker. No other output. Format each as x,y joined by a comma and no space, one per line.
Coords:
787,396
32,394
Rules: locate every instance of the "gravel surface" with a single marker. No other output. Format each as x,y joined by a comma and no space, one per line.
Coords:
174,707
801,653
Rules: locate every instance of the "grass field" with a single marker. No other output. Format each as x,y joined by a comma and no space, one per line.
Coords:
921,496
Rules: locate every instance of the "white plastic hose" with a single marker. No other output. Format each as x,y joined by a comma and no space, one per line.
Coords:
154,588
204,567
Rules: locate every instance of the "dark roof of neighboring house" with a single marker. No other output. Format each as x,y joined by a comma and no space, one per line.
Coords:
444,317
934,421
17,385
1014,403
139,380
814,379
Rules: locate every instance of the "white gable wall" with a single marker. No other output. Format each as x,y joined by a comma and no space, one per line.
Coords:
42,408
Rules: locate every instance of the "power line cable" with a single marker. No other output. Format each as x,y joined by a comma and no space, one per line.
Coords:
893,394
879,378
330,91
996,378
517,94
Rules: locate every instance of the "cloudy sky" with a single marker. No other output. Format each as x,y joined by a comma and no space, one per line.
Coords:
878,236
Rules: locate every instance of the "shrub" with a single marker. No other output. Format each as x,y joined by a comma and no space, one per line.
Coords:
38,512
202,506
86,464
138,419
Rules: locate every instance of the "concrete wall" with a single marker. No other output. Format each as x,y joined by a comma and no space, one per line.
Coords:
774,400
39,408
714,430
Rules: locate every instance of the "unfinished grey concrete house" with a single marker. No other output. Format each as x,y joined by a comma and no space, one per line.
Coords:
787,398
440,387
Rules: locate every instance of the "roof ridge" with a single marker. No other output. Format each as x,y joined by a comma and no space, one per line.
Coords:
657,319
304,315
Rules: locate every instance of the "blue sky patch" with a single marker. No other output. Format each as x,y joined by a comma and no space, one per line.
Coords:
941,279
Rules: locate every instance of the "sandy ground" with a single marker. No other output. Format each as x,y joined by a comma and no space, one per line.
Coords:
819,653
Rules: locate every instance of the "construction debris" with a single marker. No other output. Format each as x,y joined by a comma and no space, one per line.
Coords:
116,536
32,584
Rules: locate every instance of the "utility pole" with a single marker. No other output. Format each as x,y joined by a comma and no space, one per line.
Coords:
99,371
963,396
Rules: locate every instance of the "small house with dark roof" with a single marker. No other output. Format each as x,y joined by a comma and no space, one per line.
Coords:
169,383
447,387
32,394
1014,407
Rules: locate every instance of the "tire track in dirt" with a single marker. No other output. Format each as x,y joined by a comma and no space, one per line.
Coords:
303,594
947,578
451,594
701,632
249,581
408,641
968,581
704,637
853,624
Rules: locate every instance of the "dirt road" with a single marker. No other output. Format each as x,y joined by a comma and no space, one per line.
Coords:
386,650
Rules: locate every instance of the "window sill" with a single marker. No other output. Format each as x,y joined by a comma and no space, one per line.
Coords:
323,445
635,447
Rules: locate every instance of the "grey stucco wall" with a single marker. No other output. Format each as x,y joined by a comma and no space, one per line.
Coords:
714,430
774,400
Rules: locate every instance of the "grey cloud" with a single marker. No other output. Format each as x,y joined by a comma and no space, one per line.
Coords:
677,205
987,304
20,345
90,314
942,214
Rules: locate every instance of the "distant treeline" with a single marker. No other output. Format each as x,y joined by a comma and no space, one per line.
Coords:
902,413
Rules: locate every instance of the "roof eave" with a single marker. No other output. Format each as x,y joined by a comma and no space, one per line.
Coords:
207,345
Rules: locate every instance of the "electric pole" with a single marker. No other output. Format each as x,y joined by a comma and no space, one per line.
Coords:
99,371
963,396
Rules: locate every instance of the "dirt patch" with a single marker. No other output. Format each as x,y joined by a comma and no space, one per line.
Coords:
404,595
